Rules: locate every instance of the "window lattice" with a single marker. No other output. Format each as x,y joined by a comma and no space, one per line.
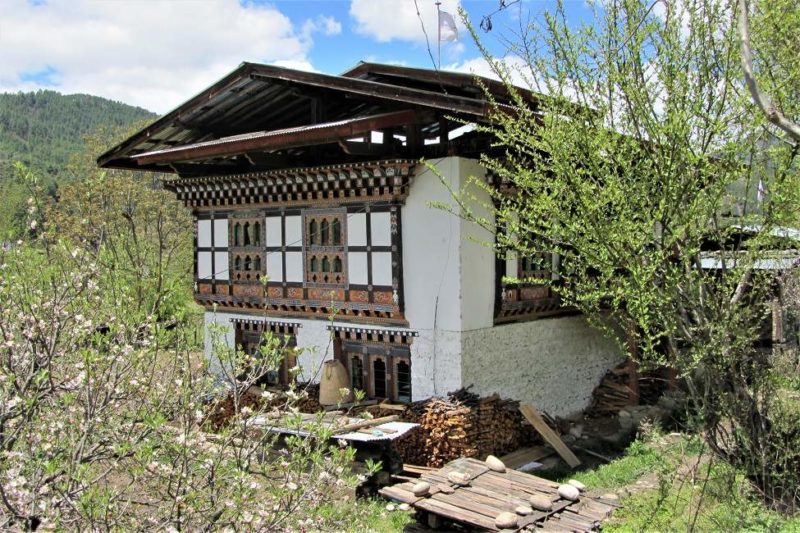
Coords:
325,251
246,250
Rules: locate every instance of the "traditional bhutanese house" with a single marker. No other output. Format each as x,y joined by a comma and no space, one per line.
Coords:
315,182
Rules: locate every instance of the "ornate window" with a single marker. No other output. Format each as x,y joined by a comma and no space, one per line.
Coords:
526,286
249,335
378,360
247,251
325,253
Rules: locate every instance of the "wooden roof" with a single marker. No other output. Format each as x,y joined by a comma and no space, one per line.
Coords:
262,117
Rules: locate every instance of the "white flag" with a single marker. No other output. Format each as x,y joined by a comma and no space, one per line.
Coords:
760,191
447,27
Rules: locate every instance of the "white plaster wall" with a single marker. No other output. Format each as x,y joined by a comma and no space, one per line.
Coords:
477,260
431,287
553,363
431,243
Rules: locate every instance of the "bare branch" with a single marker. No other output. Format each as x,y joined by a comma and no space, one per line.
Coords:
773,114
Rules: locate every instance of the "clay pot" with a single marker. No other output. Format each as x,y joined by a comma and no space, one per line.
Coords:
334,378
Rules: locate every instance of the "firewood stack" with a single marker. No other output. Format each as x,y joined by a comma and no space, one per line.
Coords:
461,425
309,402
613,393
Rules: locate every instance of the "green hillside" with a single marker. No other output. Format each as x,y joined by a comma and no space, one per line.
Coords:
43,130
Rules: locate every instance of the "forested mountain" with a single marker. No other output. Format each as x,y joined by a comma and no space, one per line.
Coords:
43,130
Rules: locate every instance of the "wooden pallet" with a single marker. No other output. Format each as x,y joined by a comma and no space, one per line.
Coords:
489,493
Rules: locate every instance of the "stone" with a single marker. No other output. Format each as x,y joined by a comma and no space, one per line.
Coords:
523,510
421,488
404,507
495,464
458,478
577,484
624,414
568,492
541,502
576,431
506,520
390,507
610,496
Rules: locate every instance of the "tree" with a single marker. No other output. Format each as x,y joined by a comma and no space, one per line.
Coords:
104,404
776,30
643,166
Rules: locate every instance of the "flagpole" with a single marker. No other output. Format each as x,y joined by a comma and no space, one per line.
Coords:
439,32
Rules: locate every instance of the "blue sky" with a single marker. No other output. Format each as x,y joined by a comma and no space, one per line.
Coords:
156,54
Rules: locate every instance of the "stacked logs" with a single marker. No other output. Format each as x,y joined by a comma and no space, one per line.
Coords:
460,425
616,392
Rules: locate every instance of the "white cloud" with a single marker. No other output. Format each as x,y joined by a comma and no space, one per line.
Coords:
390,20
326,25
151,54
517,69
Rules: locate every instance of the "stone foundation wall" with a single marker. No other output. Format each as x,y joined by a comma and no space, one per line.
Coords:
553,363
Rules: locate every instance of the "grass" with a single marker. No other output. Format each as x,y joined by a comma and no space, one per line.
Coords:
360,516
680,490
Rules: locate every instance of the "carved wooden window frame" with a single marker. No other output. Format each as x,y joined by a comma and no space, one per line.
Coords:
248,337
367,354
325,248
246,243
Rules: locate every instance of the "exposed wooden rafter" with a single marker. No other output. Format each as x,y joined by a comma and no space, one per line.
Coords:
279,139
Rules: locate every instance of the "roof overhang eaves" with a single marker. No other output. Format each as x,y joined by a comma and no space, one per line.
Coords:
280,139
240,73
457,105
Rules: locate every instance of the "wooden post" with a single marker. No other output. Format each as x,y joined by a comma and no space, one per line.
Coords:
536,420
633,367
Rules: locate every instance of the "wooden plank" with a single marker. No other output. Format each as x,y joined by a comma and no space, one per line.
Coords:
538,516
523,456
364,423
416,469
462,500
457,514
532,415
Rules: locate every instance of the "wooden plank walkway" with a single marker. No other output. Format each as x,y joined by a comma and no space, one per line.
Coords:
489,493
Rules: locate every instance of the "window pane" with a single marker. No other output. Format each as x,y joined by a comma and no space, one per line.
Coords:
257,234
237,235
324,233
403,381
356,373
379,378
337,232
312,232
